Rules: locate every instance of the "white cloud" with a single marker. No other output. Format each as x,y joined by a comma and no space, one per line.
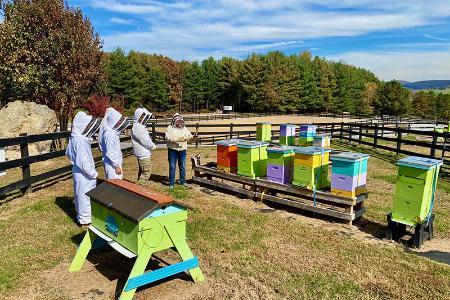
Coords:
121,21
410,66
432,37
198,29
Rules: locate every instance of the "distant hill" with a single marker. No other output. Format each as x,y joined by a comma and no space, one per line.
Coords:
426,84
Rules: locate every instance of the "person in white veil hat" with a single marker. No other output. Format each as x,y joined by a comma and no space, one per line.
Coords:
112,125
142,145
83,168
177,137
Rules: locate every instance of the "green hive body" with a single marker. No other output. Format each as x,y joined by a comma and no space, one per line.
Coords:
311,167
264,132
415,189
134,225
252,158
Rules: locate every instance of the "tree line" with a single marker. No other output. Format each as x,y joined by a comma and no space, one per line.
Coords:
50,54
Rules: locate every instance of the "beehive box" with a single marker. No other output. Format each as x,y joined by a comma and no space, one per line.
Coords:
311,167
264,132
322,140
305,141
287,134
280,164
137,222
349,174
415,188
252,158
227,153
308,130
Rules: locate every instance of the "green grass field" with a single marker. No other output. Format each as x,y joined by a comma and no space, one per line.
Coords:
247,250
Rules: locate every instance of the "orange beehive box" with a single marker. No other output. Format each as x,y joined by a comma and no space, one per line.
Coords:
227,155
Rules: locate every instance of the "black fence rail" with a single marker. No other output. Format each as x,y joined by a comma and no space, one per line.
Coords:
379,136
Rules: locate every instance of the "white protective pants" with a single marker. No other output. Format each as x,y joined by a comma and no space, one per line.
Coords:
82,185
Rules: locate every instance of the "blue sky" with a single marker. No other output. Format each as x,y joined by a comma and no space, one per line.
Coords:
403,39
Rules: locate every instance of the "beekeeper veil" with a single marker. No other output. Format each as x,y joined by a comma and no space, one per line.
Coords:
114,120
85,125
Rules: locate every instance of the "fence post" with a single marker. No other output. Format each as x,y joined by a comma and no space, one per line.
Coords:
332,130
196,132
399,140
350,133
231,130
375,136
154,132
342,131
433,144
360,134
26,171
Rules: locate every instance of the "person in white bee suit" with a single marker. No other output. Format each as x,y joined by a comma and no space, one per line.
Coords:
83,167
112,125
142,145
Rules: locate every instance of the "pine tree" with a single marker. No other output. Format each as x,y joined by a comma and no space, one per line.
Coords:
252,81
309,100
210,72
193,86
230,89
117,73
392,99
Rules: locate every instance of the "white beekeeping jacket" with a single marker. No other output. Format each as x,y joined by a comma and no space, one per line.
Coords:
140,137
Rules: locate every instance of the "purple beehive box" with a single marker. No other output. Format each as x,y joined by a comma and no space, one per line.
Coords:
279,173
347,183
308,128
287,130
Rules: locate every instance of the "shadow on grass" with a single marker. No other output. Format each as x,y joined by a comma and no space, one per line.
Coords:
66,204
115,266
160,178
438,256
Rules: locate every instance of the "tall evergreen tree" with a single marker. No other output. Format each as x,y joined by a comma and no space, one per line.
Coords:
252,81
211,92
230,89
393,99
193,86
308,91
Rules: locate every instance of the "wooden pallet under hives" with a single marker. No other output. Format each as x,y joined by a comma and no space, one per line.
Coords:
343,208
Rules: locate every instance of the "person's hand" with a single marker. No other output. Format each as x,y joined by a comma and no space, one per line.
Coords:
118,170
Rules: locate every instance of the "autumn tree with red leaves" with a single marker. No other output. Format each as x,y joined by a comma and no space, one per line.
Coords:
49,54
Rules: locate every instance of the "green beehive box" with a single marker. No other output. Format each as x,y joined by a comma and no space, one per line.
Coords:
311,178
305,141
414,194
311,167
282,156
287,140
252,158
137,222
264,132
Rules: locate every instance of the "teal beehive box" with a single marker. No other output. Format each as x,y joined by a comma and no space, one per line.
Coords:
138,222
415,189
252,158
264,132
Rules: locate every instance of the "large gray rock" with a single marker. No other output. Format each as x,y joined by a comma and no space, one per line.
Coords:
27,117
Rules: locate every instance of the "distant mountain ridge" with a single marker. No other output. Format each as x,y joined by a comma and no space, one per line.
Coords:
426,84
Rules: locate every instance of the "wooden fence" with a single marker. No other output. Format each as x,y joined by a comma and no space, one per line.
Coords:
392,139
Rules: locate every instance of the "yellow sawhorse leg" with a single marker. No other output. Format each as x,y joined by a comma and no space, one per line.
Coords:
82,252
185,252
138,269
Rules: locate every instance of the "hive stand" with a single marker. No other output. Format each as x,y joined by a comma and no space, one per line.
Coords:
137,223
422,232
414,199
